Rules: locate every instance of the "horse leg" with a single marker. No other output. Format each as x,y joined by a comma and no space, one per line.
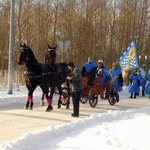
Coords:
49,99
42,103
30,96
60,96
59,101
27,103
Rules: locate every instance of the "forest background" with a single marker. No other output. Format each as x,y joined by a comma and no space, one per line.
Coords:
101,28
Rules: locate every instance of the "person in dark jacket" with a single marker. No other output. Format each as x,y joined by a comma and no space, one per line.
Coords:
76,87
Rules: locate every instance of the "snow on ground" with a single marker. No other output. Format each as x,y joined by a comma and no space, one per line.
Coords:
114,130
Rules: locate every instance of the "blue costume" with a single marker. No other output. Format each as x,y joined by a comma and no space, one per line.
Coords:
134,84
89,70
89,66
116,72
147,87
142,80
102,74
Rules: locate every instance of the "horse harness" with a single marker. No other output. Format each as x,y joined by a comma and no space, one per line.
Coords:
33,75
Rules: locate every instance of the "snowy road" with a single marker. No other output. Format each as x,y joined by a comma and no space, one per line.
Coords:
15,121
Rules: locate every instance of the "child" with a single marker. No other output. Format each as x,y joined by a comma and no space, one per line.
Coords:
134,84
147,87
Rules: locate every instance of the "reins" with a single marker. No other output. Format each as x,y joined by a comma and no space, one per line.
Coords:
32,74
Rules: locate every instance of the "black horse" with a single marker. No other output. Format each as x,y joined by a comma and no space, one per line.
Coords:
41,74
32,75
64,90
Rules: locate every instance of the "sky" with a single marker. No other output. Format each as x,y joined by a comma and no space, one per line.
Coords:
113,130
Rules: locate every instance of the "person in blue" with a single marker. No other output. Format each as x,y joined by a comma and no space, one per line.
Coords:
101,75
134,84
142,79
89,70
116,76
147,86
139,76
102,72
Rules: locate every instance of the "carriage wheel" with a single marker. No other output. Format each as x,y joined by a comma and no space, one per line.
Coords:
84,97
93,97
112,100
113,95
83,100
64,97
93,100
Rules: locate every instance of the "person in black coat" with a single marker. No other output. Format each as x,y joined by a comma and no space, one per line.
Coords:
76,87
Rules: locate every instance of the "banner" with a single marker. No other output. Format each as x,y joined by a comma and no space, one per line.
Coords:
128,61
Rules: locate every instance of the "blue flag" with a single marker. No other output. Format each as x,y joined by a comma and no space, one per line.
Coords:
128,61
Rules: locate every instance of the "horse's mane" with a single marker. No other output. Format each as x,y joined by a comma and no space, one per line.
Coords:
32,55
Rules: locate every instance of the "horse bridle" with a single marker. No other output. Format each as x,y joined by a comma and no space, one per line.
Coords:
50,58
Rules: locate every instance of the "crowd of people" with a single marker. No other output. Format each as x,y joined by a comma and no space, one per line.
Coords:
139,78
91,70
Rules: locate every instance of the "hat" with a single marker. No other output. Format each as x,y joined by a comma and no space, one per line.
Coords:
71,64
115,63
100,61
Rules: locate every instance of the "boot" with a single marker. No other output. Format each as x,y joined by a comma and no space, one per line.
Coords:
67,107
131,95
59,103
74,115
134,95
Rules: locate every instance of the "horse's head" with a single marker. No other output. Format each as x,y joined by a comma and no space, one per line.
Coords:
62,69
26,55
50,54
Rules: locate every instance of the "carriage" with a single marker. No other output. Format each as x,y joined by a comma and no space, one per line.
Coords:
91,93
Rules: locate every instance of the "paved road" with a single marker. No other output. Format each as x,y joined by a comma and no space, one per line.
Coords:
15,121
